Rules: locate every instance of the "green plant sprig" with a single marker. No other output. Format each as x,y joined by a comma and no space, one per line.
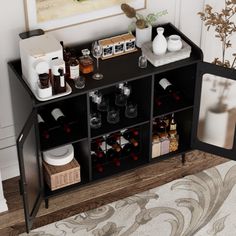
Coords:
141,21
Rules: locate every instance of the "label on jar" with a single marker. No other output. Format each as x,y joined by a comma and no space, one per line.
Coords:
156,150
62,81
164,83
56,113
74,72
173,126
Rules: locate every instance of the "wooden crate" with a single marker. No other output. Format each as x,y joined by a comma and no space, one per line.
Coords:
60,176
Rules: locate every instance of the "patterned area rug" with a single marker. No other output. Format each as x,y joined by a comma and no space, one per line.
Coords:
203,204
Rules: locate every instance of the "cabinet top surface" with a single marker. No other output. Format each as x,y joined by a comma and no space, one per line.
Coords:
118,69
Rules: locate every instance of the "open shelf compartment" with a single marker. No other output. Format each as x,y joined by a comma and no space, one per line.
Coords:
75,111
184,81
140,88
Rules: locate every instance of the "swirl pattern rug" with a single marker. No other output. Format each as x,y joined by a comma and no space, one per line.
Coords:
203,204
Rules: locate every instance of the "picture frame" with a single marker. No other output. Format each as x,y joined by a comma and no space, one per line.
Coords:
56,14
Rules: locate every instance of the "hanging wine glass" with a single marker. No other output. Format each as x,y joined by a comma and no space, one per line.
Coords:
97,53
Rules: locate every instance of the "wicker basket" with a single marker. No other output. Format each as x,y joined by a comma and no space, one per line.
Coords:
60,176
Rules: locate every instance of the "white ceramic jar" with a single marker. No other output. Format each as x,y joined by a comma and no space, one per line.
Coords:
174,43
143,36
159,44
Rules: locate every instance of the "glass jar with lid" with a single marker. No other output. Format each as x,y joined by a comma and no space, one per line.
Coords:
156,146
86,62
174,140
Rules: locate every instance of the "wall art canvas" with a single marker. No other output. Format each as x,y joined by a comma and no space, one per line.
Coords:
54,14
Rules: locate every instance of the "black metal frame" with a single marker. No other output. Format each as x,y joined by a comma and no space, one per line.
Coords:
29,213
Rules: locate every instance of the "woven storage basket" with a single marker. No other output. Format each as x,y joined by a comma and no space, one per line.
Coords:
60,176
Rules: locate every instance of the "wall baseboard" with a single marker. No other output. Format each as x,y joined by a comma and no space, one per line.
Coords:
9,162
3,205
10,172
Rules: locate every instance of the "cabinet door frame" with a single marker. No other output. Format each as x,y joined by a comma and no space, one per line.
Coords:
30,126
208,68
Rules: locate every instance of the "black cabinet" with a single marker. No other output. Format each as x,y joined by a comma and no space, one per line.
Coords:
186,74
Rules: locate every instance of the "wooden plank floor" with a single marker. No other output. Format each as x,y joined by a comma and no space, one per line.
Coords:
101,192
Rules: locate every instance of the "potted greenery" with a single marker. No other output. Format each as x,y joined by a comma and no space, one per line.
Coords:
142,24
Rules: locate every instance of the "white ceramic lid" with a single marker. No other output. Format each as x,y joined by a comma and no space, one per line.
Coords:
59,156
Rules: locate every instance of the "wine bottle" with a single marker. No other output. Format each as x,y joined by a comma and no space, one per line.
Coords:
43,128
66,58
97,162
100,141
113,156
170,89
161,126
173,125
159,102
59,82
111,140
95,147
130,150
61,119
130,136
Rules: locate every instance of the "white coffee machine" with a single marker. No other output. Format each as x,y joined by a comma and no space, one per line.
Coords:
36,55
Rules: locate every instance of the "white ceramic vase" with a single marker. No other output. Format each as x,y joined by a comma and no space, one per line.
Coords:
174,43
143,36
215,128
159,44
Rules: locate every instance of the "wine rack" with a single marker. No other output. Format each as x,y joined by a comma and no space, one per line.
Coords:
184,74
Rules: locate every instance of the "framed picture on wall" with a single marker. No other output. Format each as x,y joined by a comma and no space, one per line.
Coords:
55,14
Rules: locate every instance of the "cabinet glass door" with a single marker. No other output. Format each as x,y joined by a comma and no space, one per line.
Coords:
31,178
215,110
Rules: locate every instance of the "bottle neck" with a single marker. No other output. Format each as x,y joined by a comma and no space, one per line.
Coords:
57,113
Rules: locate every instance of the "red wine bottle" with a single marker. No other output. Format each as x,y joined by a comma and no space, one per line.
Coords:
96,148
111,140
100,142
170,89
113,156
61,119
130,151
43,128
131,136
97,162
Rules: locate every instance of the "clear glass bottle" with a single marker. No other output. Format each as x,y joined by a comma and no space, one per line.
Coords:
173,124
86,62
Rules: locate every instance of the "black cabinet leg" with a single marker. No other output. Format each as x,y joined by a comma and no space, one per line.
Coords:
46,203
183,158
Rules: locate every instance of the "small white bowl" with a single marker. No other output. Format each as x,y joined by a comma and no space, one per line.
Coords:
174,43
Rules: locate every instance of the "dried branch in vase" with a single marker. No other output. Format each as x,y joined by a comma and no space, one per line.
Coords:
224,27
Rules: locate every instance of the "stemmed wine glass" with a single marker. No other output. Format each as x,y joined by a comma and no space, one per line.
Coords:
97,53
